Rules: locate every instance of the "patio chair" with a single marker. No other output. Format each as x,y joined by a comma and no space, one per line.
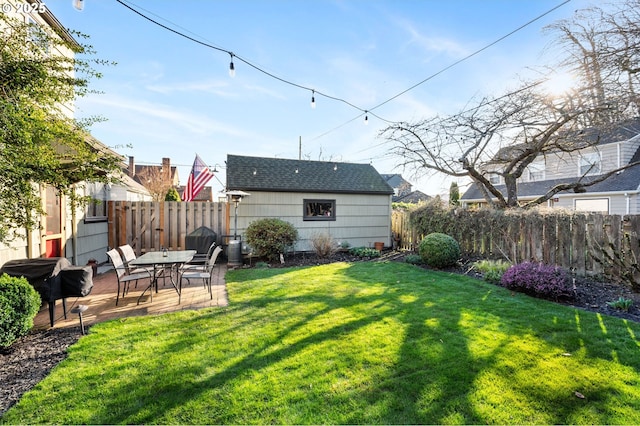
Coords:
122,272
128,255
199,262
205,275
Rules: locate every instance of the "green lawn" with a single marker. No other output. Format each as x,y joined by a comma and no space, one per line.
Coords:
374,343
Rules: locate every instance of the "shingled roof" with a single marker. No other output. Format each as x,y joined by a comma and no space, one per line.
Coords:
285,175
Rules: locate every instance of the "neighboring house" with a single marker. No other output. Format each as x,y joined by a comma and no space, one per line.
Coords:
616,195
78,233
400,186
166,172
402,192
351,202
414,197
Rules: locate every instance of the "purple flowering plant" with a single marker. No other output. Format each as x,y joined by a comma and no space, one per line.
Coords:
538,280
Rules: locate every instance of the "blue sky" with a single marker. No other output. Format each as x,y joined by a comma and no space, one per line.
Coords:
171,97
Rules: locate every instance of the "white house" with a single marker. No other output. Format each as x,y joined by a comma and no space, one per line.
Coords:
617,194
77,233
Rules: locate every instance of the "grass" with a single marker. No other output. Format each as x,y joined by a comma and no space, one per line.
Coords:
371,342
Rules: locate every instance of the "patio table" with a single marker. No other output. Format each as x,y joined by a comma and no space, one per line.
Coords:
163,260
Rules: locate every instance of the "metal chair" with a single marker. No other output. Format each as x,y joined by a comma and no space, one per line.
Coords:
199,263
122,272
206,275
128,255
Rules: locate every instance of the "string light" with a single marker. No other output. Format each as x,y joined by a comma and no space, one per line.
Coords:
366,118
313,99
232,68
78,5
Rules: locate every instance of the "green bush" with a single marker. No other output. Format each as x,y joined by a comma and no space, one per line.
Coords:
439,250
492,270
172,195
364,252
19,304
270,237
413,259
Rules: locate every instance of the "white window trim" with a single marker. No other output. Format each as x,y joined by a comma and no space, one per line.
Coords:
589,159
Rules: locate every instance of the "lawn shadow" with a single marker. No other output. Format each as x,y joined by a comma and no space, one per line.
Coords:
433,377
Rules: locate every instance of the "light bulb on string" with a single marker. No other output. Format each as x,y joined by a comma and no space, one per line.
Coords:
78,5
366,118
313,99
232,68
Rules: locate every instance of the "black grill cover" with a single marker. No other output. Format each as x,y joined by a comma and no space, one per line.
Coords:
200,240
37,271
53,277
76,281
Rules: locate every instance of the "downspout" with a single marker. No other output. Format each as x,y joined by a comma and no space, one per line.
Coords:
74,227
628,199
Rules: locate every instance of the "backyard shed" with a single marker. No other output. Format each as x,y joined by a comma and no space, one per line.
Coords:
350,202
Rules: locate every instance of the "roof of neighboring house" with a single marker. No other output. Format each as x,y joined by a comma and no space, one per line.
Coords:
285,175
586,137
394,180
627,180
131,185
205,194
413,197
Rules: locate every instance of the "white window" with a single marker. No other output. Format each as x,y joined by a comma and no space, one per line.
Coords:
590,164
494,178
600,205
536,171
97,207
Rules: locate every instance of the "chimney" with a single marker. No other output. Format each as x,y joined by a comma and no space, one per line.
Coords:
131,170
166,170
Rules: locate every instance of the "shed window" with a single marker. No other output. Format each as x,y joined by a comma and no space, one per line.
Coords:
319,210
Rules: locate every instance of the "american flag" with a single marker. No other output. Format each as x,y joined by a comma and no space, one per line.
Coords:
198,178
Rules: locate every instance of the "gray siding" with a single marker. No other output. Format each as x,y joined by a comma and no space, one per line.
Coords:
361,219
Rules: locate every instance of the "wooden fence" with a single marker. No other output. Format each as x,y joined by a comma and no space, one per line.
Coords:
149,226
568,240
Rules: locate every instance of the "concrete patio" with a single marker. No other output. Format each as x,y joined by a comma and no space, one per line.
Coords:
101,302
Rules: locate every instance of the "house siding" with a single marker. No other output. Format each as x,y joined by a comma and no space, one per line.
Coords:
361,219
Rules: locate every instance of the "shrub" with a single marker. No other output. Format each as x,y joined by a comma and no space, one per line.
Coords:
538,279
413,259
364,252
172,195
492,270
323,244
344,245
270,237
621,304
19,304
439,250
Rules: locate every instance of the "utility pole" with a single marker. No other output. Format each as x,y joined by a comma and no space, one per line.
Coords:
300,148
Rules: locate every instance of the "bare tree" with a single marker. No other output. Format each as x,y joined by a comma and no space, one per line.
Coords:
601,47
499,137
156,180
503,136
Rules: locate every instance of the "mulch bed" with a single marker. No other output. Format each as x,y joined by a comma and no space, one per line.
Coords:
30,358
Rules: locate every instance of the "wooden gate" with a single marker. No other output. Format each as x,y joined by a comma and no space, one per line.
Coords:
149,226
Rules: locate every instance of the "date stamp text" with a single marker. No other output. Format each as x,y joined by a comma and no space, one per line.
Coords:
23,7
